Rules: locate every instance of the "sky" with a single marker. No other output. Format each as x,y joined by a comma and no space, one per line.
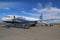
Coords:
31,8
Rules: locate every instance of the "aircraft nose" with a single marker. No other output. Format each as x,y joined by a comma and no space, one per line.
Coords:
6,19
3,18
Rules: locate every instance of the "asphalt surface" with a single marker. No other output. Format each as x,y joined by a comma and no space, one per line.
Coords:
34,33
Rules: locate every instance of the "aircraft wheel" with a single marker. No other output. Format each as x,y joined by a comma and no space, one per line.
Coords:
26,26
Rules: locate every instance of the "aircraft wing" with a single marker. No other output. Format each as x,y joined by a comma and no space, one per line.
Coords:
50,19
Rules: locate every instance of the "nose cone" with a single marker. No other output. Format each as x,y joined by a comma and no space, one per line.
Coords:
3,19
6,19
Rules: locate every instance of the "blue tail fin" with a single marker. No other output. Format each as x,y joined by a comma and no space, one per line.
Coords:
41,16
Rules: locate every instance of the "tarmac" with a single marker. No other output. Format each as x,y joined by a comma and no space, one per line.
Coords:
34,33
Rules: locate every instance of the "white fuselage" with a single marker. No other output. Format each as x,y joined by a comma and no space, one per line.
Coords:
11,17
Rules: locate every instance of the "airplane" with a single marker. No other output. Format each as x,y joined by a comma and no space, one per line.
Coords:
25,21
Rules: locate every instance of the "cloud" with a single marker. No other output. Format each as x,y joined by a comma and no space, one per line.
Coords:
48,12
9,5
30,14
34,9
39,6
6,8
51,9
23,12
